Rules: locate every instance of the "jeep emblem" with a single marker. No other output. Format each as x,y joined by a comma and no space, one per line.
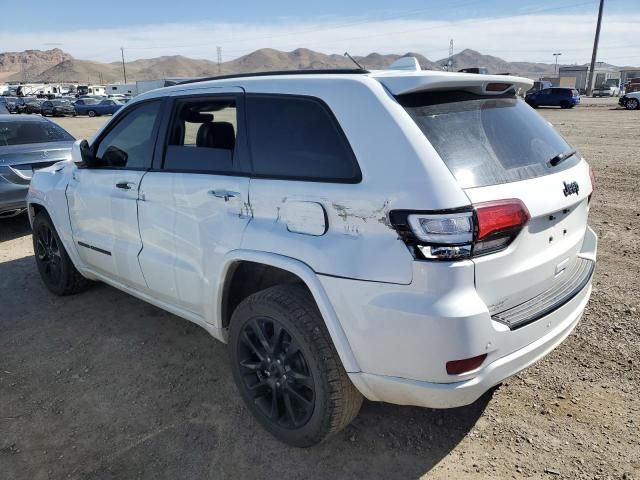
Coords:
570,188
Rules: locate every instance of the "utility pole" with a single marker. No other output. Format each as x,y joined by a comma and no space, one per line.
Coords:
219,50
450,61
555,70
124,70
595,49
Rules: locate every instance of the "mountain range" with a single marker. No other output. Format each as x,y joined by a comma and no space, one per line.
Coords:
58,66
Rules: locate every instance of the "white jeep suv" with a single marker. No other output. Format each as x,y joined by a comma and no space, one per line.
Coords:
412,237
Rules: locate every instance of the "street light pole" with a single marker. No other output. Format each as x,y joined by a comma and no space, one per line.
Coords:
124,71
595,49
555,70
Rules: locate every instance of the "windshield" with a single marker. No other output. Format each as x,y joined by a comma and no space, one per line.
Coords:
20,133
487,140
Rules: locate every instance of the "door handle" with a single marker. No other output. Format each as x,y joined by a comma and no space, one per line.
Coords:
125,185
221,193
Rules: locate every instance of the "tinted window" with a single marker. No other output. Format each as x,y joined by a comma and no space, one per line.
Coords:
487,140
130,143
202,135
296,137
19,133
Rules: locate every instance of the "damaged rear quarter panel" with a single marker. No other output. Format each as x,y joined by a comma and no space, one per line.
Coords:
359,241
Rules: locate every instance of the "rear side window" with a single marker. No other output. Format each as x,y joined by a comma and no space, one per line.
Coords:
487,140
298,138
202,135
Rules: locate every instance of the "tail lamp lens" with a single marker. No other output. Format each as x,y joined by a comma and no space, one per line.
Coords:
499,223
487,228
443,228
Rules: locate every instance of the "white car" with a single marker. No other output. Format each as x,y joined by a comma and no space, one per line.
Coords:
630,101
413,237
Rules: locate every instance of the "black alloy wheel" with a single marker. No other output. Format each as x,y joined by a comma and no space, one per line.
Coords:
276,372
48,253
287,369
56,268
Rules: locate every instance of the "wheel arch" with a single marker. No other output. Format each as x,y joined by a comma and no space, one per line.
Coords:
273,269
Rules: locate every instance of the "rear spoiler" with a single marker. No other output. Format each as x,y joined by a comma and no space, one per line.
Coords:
402,83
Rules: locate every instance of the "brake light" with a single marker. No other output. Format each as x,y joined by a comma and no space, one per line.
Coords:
592,177
497,87
452,235
499,223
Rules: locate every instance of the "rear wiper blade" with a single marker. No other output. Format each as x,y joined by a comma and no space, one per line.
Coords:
561,157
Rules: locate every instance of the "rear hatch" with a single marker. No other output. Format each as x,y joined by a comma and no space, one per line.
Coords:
498,148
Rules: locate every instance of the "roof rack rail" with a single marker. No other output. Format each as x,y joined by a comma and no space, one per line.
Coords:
333,71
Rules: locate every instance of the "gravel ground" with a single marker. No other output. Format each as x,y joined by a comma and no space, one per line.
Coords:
103,386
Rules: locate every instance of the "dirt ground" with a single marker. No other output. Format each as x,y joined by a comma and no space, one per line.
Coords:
104,386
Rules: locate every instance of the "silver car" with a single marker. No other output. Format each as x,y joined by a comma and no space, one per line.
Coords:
27,144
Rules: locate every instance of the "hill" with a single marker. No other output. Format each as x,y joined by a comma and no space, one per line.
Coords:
57,66
29,64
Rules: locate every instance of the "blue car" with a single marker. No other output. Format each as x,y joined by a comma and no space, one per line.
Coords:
97,108
554,97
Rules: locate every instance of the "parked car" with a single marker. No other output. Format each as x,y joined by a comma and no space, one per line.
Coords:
104,107
3,109
630,101
414,237
57,108
27,144
605,91
9,103
33,105
554,97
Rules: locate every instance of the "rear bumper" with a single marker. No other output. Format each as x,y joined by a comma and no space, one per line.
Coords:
13,197
402,336
404,391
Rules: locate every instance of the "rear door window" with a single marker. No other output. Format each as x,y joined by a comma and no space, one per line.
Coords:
487,140
294,137
202,135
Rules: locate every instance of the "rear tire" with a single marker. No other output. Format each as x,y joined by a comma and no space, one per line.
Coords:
287,368
91,113
56,269
564,104
632,104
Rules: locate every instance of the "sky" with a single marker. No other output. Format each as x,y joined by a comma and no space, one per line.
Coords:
522,30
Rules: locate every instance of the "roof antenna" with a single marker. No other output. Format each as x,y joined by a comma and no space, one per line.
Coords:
346,54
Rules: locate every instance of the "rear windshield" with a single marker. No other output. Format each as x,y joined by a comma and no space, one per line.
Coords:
487,140
19,133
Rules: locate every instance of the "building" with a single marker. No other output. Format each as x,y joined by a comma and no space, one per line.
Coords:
580,75
627,74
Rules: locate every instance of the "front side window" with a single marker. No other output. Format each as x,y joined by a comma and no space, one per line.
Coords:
298,138
130,143
202,135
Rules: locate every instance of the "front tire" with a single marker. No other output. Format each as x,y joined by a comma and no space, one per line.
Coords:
56,269
91,113
632,104
287,368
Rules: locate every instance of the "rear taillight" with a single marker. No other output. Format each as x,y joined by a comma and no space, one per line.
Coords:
498,223
451,235
592,177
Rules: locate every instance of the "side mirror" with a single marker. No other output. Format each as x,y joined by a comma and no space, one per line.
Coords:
81,154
